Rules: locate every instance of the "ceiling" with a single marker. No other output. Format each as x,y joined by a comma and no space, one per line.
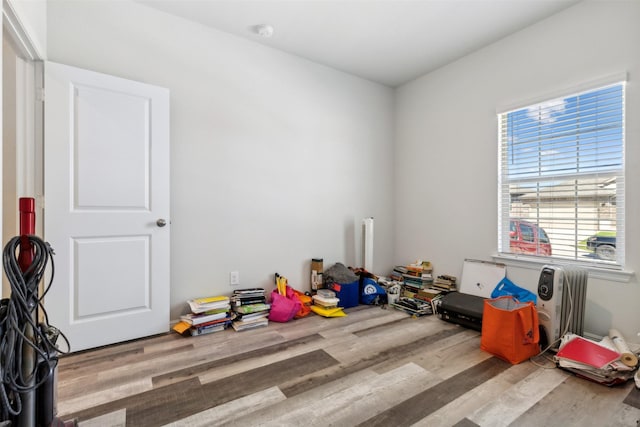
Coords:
387,41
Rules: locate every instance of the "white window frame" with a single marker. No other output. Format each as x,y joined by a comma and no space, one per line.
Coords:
613,271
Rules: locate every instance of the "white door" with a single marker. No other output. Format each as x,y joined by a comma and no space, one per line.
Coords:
106,199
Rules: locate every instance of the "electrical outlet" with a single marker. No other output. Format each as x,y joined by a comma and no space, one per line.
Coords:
234,278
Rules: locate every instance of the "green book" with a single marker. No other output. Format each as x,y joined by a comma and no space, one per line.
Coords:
252,308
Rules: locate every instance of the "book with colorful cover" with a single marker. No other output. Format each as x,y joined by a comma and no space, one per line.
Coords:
208,300
201,305
249,291
212,322
587,352
196,319
186,329
215,311
238,301
255,323
252,308
203,330
250,316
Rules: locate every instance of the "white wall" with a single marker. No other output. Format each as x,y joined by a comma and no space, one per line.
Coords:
275,159
446,144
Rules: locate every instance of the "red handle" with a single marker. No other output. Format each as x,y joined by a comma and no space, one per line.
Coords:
27,228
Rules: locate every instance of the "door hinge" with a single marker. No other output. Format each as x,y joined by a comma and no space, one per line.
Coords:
40,94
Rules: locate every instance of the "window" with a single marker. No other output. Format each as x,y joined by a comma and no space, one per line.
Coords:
527,233
561,178
542,236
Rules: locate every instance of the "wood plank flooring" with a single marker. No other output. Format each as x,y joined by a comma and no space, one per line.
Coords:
374,367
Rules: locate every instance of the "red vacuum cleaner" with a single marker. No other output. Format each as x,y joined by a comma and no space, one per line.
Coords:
28,350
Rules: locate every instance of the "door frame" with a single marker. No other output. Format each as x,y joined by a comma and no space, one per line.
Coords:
29,171
18,35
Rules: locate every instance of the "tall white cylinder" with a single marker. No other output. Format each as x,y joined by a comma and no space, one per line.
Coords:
367,232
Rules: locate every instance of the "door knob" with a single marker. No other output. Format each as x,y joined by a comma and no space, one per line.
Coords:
161,222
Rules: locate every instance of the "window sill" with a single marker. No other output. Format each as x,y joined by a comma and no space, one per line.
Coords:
611,274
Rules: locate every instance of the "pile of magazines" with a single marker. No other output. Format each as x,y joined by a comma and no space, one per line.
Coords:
607,362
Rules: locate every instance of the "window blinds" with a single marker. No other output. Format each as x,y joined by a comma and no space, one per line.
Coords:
562,168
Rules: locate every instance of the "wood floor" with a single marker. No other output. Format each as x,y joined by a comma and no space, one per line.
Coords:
374,367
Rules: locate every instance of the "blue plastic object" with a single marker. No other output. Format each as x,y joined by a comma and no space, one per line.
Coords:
507,287
372,293
348,293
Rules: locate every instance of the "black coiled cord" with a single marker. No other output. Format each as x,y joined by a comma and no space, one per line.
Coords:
19,328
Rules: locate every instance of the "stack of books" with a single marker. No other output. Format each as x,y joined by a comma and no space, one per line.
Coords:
248,296
597,361
413,306
415,276
325,303
208,315
250,309
428,294
396,274
445,282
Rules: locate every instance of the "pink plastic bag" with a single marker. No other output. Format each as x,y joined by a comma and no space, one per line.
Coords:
283,308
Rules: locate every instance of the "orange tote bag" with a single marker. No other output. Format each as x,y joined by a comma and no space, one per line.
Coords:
510,329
